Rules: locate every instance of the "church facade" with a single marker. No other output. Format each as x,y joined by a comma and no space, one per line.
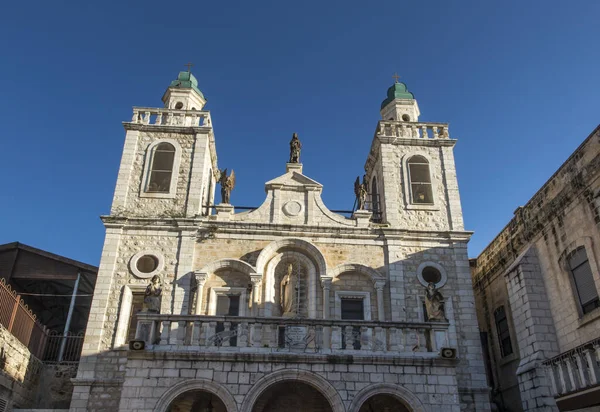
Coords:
288,306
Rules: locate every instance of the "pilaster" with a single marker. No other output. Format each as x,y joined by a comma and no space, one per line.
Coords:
125,170
536,337
198,175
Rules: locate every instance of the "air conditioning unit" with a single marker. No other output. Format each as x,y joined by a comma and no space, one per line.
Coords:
137,344
448,353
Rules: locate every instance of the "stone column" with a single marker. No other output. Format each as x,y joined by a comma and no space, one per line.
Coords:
379,284
200,280
256,282
326,284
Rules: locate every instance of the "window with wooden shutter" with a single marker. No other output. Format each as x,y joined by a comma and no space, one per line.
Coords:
161,168
503,332
583,279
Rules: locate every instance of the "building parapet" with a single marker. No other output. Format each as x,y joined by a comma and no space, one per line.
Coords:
575,370
413,130
171,117
277,335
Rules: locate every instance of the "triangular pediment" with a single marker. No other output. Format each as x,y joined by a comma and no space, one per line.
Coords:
293,179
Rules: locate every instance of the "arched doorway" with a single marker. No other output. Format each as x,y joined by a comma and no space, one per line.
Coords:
383,403
291,395
197,401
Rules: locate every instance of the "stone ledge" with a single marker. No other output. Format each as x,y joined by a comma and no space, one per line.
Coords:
432,359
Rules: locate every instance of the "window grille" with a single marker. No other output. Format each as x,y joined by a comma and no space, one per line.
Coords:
585,286
420,180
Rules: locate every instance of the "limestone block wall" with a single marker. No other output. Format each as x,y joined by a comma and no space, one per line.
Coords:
446,212
529,254
19,371
152,382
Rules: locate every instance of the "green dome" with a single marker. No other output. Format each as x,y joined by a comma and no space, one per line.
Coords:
397,91
186,80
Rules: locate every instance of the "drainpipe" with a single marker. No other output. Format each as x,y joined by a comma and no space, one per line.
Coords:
63,342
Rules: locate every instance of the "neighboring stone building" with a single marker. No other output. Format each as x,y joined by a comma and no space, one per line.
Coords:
45,301
536,288
286,307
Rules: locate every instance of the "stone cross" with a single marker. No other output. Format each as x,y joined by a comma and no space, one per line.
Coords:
396,77
189,66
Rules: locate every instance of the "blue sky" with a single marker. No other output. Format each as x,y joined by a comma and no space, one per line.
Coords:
517,81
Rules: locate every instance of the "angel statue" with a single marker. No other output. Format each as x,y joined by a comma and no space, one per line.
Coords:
227,185
295,147
360,190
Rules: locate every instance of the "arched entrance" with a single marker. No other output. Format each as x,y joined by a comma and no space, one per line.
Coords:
383,403
196,395
288,396
291,390
384,397
197,401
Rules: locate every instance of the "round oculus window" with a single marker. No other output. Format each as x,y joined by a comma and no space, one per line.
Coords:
405,118
428,272
147,264
179,105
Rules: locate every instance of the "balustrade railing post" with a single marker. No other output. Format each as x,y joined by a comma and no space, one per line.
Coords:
196,332
336,338
551,374
380,339
210,333
594,368
582,368
366,341
273,336
136,117
242,333
256,335
349,337
226,328
166,332
570,372
424,134
560,366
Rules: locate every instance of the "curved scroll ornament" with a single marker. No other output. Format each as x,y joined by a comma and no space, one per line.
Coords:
218,338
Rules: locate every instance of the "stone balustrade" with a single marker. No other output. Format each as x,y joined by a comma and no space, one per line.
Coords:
251,334
171,117
575,370
411,130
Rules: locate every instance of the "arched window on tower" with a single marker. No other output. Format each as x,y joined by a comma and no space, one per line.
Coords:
420,180
375,206
161,168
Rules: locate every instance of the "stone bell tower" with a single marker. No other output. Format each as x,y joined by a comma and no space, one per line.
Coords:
169,160
410,168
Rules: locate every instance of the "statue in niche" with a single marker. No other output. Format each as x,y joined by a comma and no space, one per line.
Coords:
289,293
152,295
360,190
295,147
227,184
434,304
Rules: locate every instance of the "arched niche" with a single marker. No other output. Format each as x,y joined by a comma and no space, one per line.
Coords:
219,277
272,278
